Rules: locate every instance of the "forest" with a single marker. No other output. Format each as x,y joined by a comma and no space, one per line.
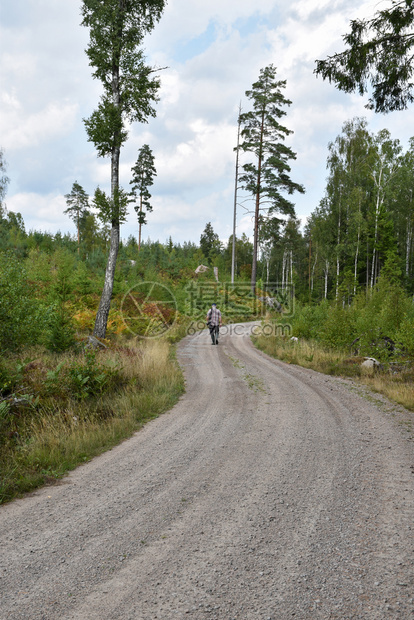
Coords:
365,216
360,234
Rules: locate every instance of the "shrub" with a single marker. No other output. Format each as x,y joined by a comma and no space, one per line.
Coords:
405,334
22,316
61,333
380,317
339,328
309,320
89,378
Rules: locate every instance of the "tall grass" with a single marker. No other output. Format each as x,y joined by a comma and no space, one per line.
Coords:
58,433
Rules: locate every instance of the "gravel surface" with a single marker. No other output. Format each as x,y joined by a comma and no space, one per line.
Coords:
269,491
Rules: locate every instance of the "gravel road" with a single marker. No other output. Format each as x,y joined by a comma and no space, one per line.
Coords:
268,491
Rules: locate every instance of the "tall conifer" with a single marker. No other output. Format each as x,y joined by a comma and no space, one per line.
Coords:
267,176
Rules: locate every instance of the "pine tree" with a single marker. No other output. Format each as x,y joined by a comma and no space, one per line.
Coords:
143,177
267,178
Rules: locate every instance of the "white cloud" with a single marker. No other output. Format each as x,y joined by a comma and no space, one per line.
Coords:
40,212
183,21
20,131
204,157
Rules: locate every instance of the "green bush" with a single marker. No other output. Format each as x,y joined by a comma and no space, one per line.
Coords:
308,320
60,335
380,316
90,378
404,336
22,316
339,329
8,379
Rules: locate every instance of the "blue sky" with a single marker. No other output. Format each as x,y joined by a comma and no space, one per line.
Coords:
214,52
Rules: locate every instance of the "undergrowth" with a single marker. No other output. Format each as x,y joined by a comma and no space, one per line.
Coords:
58,411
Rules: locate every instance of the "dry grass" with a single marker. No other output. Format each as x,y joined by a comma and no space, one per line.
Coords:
397,384
397,388
61,433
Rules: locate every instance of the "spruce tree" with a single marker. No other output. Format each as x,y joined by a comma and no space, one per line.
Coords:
379,56
143,177
78,203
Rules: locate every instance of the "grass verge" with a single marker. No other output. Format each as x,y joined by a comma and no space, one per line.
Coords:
395,381
61,414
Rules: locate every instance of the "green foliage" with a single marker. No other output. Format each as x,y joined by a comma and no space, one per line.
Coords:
365,215
210,243
4,180
116,33
61,332
380,317
267,178
404,336
374,322
21,315
111,209
9,378
78,203
117,30
339,329
142,178
378,56
90,378
308,320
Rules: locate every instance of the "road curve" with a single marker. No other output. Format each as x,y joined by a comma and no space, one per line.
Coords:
268,491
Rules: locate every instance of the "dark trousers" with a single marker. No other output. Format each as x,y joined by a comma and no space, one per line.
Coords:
214,333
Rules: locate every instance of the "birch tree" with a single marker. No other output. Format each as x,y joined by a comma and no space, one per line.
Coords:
117,29
401,199
383,168
4,181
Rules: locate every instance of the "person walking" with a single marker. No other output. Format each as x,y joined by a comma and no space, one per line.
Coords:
214,323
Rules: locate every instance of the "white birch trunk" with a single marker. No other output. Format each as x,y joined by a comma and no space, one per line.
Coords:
326,271
101,320
337,249
357,250
313,270
408,246
283,270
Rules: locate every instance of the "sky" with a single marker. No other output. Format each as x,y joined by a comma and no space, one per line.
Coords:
213,52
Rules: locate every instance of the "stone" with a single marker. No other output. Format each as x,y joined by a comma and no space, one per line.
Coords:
370,363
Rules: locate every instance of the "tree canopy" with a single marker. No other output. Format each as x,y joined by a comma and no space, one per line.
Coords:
378,58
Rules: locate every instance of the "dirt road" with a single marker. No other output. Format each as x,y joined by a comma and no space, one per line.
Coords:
269,491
